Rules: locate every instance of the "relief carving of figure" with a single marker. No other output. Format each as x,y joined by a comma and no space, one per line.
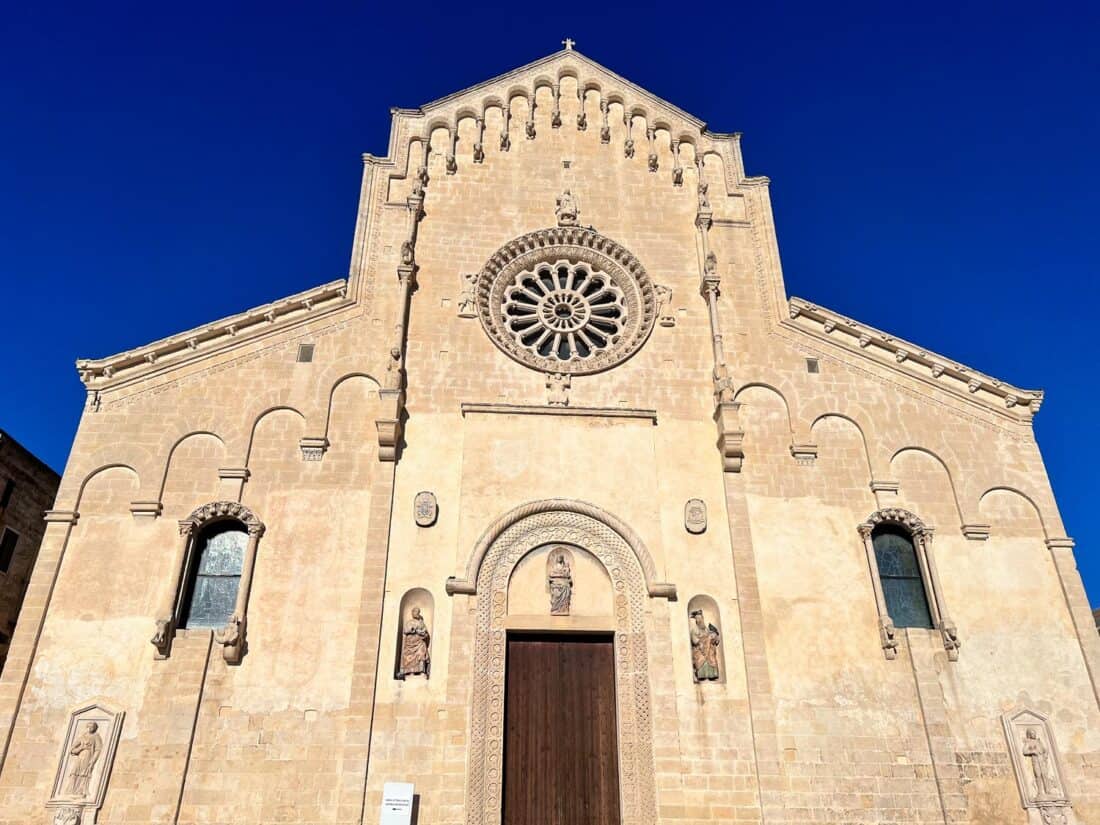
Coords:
85,752
704,201
561,586
479,152
415,641
704,648
408,254
628,148
160,637
394,371
723,385
1046,787
582,121
567,209
710,265
529,127
652,161
67,816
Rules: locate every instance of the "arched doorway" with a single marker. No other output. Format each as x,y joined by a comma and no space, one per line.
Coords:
630,581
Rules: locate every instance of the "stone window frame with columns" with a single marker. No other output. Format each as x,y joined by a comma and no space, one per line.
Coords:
921,536
232,636
633,576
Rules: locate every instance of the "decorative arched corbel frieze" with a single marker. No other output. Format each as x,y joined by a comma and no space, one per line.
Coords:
921,534
232,636
467,585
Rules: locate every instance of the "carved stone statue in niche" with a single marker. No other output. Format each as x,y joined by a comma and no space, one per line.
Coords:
567,210
704,648
1045,785
85,752
561,586
415,644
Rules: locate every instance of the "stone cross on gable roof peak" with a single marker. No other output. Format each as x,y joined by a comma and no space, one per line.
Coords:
569,43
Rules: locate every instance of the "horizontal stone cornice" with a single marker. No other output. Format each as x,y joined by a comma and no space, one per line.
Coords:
201,342
910,359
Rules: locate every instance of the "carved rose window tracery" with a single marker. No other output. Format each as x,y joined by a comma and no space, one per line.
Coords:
564,311
566,301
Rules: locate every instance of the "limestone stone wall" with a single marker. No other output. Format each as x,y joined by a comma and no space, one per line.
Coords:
32,488
810,722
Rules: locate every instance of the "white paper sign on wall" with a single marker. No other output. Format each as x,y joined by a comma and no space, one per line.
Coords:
397,803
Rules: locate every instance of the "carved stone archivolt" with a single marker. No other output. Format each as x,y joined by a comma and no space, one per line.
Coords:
87,754
635,729
566,300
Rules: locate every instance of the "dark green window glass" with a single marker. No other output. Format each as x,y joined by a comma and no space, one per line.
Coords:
215,575
906,601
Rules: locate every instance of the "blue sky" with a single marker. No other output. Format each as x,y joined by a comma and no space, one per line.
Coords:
935,169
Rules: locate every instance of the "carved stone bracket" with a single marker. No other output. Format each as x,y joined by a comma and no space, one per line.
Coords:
976,532
390,427
804,454
313,448
146,509
727,417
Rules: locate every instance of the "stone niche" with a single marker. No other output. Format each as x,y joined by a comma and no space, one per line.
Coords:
420,600
84,765
529,596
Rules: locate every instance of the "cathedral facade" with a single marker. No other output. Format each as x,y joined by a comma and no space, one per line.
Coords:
560,509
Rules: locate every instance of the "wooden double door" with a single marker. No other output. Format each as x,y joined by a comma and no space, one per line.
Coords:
561,763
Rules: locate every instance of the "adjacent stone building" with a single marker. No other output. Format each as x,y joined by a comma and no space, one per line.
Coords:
559,508
27,490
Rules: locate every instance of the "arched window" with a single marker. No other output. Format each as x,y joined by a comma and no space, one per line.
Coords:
214,562
215,575
906,584
899,572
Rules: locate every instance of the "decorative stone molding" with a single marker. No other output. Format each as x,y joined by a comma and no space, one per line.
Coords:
232,636
234,473
468,585
695,516
200,341
561,317
1037,765
84,767
425,509
921,535
881,486
146,509
469,408
60,516
913,360
313,448
502,547
976,532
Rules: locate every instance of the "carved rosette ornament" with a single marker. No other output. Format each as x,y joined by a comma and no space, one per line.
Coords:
566,300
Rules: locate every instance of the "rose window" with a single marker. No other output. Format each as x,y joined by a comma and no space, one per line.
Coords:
566,300
564,311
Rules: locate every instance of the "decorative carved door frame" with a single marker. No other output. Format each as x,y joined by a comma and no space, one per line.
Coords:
631,570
